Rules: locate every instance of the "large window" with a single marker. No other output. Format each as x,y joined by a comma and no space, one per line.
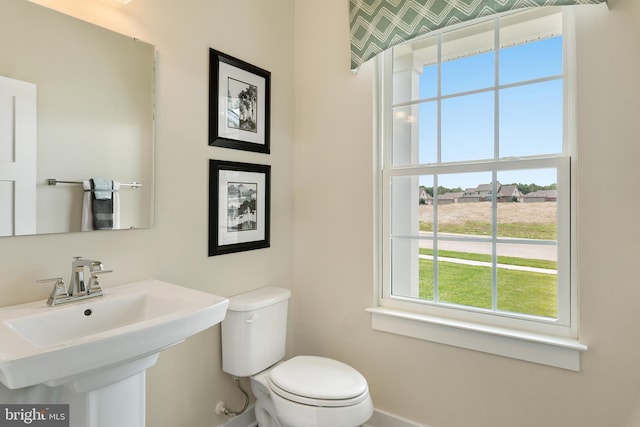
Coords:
475,177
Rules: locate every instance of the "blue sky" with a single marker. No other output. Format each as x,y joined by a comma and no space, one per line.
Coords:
530,116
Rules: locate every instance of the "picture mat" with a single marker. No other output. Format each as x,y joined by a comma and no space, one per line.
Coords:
226,71
226,237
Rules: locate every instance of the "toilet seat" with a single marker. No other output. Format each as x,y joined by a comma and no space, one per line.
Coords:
318,381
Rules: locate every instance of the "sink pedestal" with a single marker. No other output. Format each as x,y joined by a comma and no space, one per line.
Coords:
120,404
94,400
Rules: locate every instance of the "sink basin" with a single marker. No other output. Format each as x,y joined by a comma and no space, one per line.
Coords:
65,344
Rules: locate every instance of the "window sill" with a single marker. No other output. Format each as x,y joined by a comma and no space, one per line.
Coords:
538,348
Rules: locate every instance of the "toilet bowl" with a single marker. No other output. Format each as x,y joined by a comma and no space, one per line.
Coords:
304,391
311,391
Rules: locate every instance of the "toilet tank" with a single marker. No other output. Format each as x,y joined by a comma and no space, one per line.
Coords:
254,331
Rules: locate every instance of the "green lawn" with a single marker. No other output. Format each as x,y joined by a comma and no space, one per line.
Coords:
518,291
515,230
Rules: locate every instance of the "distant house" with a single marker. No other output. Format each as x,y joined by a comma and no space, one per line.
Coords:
424,197
483,193
541,196
449,198
509,193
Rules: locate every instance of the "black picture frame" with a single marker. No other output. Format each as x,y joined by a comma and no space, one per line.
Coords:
239,104
239,206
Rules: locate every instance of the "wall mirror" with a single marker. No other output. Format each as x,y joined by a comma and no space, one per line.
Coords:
76,103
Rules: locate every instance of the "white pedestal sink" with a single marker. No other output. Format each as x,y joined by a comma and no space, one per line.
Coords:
93,354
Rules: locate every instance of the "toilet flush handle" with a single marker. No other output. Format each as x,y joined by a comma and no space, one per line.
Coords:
252,318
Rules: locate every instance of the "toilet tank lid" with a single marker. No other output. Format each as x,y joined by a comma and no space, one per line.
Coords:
258,298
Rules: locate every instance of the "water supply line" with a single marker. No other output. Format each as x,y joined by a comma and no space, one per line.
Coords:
221,409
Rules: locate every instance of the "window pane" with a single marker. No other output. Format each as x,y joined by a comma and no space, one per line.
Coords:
466,74
527,207
468,60
531,61
527,285
406,270
426,214
429,82
527,280
531,119
464,214
415,134
405,204
464,204
464,284
405,135
467,127
425,199
415,71
412,215
405,87
428,125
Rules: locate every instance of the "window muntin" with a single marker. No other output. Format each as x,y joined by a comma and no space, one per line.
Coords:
518,137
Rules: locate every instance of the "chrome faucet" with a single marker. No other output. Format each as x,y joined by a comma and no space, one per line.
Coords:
77,284
78,289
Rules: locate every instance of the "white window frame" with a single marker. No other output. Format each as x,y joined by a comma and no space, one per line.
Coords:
553,343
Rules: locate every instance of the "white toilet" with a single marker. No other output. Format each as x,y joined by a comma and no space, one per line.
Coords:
304,391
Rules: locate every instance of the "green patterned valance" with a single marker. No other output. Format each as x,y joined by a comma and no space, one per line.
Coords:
377,25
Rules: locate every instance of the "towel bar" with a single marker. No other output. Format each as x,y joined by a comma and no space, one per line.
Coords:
53,181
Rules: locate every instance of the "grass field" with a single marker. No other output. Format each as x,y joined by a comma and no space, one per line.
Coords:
526,213
518,220
516,291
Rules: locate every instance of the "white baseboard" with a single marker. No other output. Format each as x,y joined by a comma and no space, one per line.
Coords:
386,419
379,419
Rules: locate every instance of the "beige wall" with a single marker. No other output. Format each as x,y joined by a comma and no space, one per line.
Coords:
185,385
435,384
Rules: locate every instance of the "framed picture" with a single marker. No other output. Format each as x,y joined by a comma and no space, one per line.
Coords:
239,104
239,206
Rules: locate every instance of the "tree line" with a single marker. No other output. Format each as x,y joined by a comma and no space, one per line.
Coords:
530,188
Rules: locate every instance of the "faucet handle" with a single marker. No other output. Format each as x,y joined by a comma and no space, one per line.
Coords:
94,287
59,290
99,272
96,266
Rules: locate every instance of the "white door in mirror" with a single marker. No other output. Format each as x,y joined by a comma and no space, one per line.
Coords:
17,157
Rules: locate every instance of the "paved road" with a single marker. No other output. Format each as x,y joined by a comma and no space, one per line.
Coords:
520,250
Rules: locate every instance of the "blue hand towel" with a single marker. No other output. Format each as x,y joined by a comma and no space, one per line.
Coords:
102,203
102,184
